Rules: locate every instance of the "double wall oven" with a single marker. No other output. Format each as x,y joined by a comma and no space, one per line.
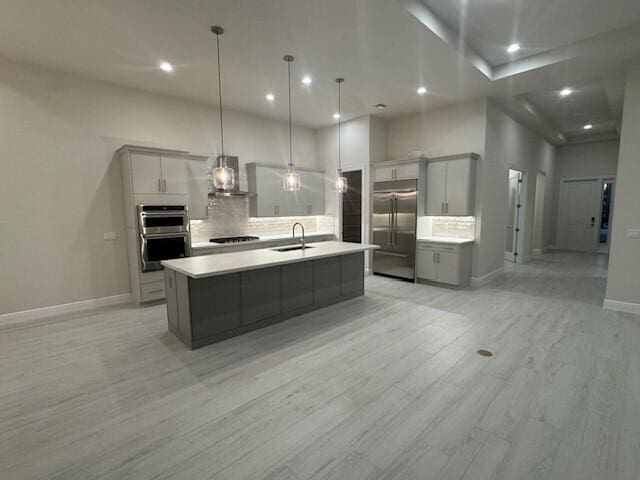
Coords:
164,234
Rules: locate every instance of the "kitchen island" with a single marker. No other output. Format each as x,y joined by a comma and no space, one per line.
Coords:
214,297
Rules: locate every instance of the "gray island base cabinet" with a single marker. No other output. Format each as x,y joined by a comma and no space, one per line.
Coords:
202,311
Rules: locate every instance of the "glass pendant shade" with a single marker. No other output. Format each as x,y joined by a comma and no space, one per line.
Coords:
223,177
340,184
292,181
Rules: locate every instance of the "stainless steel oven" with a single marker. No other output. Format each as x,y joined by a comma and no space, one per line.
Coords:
164,234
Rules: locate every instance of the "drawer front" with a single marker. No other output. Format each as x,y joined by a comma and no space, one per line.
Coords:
152,291
152,277
449,248
426,246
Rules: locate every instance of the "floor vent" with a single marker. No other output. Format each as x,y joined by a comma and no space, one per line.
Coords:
485,353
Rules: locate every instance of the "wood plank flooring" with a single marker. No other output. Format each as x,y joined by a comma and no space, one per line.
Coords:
388,386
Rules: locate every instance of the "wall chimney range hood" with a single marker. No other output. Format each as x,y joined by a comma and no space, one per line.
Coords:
232,162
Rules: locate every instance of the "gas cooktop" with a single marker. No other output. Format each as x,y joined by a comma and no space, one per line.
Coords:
240,239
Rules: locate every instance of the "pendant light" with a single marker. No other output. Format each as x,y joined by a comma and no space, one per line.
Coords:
291,179
222,177
340,184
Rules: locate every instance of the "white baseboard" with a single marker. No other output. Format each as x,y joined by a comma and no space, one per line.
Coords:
37,313
619,306
484,279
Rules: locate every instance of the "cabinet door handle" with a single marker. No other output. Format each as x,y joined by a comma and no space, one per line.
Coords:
442,208
160,185
155,291
164,185
438,257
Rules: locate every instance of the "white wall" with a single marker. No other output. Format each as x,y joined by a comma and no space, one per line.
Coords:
623,283
510,145
445,131
60,188
356,150
596,159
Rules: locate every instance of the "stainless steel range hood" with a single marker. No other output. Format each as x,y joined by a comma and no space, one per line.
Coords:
232,162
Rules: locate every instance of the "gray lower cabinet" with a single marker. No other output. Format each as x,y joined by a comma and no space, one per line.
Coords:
326,278
352,269
297,286
260,294
207,310
214,296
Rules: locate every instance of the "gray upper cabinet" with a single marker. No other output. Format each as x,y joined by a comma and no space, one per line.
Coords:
146,172
159,173
450,185
396,171
272,200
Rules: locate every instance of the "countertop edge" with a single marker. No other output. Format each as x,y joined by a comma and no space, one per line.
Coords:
450,241
362,248
213,246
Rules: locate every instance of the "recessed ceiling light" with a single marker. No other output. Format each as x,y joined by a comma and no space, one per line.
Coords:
270,97
336,116
306,80
588,126
565,92
166,67
513,48
422,90
380,106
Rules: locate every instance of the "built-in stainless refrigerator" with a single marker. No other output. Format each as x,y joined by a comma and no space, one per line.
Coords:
394,228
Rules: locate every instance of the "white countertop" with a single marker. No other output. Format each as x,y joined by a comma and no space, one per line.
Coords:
223,263
262,239
449,240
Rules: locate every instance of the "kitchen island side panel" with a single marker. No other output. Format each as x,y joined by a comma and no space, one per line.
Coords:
215,305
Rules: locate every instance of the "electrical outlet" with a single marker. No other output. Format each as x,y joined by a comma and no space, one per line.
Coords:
633,233
110,235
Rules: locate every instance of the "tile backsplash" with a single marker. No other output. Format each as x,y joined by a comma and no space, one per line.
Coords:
228,216
456,227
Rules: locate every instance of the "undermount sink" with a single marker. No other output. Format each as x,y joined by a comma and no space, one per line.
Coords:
290,248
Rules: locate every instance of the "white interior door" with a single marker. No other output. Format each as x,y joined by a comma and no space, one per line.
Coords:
513,215
578,217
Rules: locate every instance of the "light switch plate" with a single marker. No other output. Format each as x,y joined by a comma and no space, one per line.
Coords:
110,235
633,233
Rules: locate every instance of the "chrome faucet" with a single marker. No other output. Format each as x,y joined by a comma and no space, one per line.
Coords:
293,233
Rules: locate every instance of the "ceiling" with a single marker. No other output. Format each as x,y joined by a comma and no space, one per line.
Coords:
490,26
587,105
384,49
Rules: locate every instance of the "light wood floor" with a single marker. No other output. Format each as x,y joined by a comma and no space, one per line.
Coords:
387,386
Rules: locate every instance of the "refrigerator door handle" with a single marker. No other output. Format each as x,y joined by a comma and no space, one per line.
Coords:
390,223
395,221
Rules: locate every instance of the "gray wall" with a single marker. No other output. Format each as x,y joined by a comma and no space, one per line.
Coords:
61,189
623,284
511,145
595,159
